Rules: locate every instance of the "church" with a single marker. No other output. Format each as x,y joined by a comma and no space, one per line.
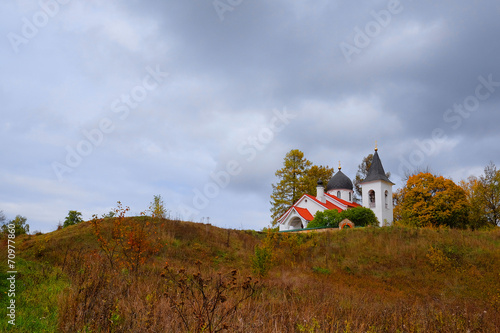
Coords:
339,195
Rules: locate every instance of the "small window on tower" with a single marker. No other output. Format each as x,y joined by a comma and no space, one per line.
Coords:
338,194
350,196
386,199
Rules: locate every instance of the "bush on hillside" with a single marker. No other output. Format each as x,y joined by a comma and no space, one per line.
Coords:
360,216
74,217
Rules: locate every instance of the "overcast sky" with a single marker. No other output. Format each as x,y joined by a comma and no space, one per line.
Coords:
199,101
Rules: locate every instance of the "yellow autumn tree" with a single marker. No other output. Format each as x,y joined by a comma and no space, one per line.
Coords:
429,200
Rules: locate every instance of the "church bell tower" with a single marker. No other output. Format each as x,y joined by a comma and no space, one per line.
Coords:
377,192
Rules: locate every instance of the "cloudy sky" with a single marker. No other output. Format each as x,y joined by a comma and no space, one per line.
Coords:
199,101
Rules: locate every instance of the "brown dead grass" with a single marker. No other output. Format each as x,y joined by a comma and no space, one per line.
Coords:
364,280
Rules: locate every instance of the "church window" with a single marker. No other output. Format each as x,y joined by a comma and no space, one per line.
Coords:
371,197
338,194
386,199
350,196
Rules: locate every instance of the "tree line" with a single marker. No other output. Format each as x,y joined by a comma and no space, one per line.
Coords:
156,209
425,200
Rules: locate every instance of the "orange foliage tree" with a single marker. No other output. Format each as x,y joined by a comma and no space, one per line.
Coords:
428,200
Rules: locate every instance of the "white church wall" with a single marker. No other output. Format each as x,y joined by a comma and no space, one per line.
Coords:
344,194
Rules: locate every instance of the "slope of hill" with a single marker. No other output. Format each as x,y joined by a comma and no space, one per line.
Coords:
150,275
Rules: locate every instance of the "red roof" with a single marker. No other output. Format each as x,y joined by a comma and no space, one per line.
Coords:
304,213
347,203
327,204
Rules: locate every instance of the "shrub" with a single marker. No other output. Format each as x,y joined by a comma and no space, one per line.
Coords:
205,302
328,218
360,216
262,260
73,218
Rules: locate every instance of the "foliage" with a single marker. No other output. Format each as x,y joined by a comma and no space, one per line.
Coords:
2,217
205,303
38,288
427,200
477,216
73,218
128,242
157,208
313,175
108,215
328,218
381,280
360,216
483,194
488,193
297,177
19,224
362,172
262,260
291,185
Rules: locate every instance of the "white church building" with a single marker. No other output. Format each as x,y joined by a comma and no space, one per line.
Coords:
339,195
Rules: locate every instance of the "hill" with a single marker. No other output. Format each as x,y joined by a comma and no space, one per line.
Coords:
168,276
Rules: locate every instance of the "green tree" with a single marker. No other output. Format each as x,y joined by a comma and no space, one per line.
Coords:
483,194
73,218
489,192
19,224
292,183
427,200
108,215
362,172
2,217
157,207
360,216
328,218
477,216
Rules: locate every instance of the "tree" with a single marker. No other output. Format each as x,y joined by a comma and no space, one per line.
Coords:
427,200
489,192
483,194
157,207
292,183
313,174
18,224
73,218
362,173
2,217
108,215
477,216
360,216
328,218
126,242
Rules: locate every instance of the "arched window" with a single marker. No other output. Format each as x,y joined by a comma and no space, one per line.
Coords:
371,197
296,223
386,199
350,196
338,194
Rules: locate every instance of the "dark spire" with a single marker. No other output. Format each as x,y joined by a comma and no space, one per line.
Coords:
376,171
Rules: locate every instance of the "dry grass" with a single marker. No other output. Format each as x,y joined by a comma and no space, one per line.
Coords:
364,280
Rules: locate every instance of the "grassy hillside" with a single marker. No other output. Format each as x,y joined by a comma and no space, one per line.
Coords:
200,278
